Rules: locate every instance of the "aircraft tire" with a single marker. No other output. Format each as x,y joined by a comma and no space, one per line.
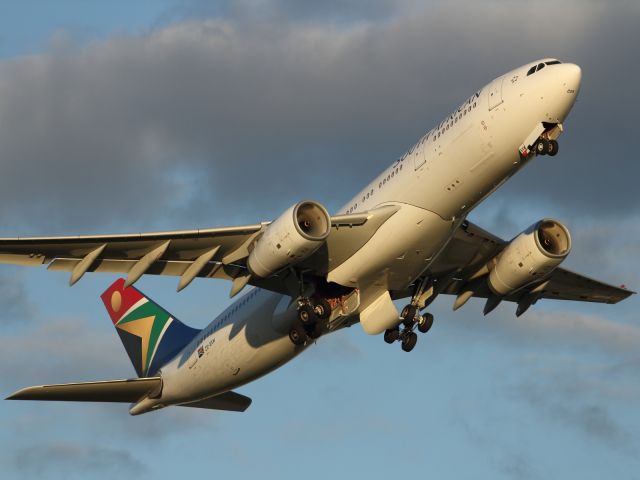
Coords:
542,147
409,341
553,148
315,332
391,335
426,323
307,315
409,315
297,335
322,309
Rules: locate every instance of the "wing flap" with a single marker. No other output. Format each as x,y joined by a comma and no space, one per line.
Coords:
125,391
229,401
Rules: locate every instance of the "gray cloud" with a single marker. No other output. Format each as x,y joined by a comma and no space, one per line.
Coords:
61,350
145,131
592,419
16,305
66,460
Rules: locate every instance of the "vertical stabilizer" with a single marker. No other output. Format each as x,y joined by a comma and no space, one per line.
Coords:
150,335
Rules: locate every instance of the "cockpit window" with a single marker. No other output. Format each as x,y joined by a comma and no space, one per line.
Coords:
540,66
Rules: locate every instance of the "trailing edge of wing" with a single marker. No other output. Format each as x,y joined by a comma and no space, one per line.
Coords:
125,391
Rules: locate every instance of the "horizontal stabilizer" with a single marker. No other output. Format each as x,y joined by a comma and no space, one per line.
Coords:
230,401
126,391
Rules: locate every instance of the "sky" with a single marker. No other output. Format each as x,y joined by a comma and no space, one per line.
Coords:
136,116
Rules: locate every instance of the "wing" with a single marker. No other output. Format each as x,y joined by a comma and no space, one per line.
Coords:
210,253
127,391
472,248
123,391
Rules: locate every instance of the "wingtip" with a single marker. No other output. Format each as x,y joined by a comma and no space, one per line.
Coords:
19,394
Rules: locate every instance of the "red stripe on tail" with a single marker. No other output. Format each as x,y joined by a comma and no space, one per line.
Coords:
118,300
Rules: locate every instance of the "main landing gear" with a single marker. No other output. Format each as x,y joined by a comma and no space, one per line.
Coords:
310,318
410,321
410,318
546,147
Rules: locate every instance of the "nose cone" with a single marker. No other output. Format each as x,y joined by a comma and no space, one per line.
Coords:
570,76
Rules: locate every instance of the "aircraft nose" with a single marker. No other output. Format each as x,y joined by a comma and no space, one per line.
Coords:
572,76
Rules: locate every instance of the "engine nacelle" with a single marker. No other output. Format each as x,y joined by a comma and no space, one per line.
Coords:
289,239
530,257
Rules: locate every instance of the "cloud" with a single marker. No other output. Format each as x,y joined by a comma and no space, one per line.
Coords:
549,324
136,131
69,460
16,305
588,417
61,350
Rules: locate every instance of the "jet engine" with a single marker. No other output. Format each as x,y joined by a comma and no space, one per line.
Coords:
289,239
529,257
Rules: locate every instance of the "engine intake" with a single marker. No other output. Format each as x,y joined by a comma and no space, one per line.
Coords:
530,257
292,237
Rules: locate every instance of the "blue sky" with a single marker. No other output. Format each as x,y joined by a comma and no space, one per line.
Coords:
133,116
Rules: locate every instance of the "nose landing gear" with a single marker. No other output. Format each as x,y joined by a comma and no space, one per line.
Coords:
547,147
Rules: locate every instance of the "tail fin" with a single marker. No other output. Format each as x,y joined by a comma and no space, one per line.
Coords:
150,335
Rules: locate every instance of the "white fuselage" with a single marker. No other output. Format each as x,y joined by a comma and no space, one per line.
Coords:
436,183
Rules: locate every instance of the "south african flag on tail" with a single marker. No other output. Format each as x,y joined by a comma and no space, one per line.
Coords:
150,335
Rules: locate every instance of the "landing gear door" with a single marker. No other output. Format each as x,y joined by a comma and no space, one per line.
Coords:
495,93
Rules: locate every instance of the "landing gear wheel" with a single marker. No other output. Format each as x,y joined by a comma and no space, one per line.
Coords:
322,309
553,148
307,315
409,315
409,341
297,335
542,147
425,323
391,335
316,331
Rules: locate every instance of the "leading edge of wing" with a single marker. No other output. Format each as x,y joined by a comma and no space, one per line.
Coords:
336,221
162,235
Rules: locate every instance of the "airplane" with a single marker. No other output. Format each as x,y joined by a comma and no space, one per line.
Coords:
404,236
